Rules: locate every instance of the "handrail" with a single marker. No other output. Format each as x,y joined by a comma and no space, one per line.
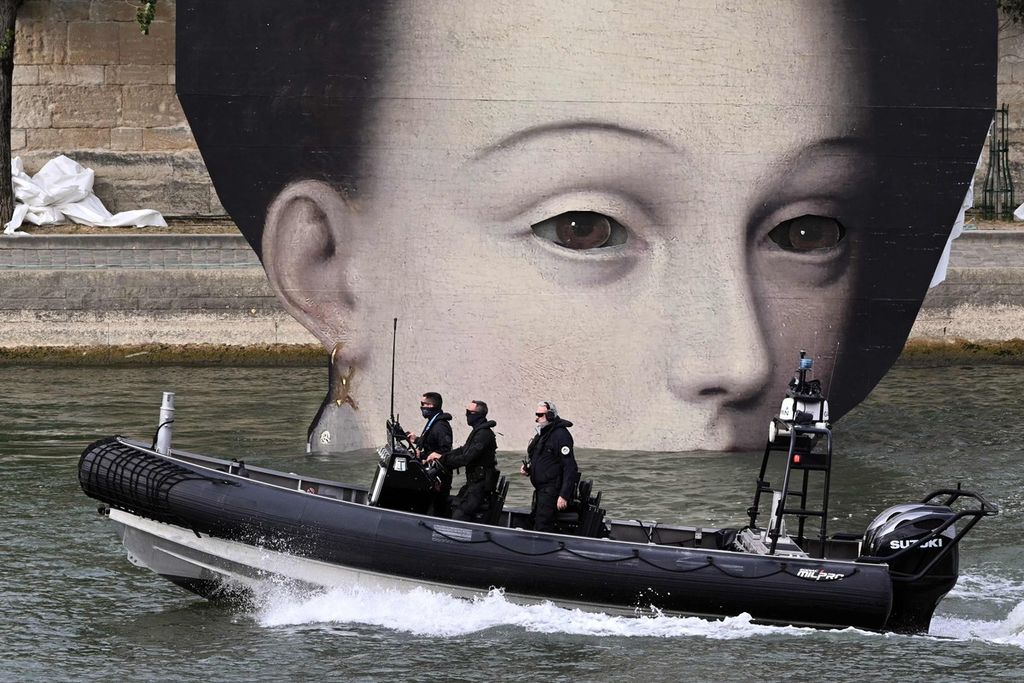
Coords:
778,515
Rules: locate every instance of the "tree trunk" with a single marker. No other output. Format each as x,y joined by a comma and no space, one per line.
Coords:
8,15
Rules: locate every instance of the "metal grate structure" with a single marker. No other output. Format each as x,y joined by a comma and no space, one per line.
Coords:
997,200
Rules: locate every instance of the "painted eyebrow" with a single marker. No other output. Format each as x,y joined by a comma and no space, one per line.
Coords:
534,132
778,185
839,146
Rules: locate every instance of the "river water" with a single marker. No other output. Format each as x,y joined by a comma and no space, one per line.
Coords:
74,608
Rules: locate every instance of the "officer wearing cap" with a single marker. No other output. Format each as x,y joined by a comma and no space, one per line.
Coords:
551,466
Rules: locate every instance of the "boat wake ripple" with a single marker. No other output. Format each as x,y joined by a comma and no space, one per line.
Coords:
1008,631
988,588
429,613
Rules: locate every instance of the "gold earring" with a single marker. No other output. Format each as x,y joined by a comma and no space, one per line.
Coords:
340,383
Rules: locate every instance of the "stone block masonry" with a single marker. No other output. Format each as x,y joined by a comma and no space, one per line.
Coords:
88,84
982,298
128,290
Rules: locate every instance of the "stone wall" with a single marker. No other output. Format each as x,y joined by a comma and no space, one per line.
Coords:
88,84
1009,92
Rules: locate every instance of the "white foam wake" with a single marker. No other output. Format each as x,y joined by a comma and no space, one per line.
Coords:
1008,631
425,612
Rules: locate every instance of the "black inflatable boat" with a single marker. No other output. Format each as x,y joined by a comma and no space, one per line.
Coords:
222,527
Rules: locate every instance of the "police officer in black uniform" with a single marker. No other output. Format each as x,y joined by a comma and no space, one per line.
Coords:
436,437
551,466
477,455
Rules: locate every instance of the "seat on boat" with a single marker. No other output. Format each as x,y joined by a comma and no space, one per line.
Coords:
583,516
490,512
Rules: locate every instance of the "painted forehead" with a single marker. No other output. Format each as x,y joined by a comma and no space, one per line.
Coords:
784,51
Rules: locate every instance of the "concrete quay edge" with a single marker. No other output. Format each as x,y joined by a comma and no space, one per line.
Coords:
207,291
59,252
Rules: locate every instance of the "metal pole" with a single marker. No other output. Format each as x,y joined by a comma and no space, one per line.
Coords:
163,432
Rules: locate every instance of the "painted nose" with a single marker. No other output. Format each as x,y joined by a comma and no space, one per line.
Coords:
721,355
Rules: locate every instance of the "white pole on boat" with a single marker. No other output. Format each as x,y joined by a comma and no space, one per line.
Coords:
163,432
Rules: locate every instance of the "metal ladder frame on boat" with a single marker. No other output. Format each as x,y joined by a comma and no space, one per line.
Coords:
794,460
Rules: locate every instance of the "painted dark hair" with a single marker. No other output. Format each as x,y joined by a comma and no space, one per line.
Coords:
932,88
275,92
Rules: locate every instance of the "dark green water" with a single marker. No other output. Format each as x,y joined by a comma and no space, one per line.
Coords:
74,608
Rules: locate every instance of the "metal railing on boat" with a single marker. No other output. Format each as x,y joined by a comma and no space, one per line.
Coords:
800,456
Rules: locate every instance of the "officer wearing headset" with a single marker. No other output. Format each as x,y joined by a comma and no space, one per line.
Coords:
551,466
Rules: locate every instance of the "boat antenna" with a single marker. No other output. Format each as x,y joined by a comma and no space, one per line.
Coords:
394,339
835,362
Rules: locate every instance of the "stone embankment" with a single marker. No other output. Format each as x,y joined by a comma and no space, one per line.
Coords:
979,309
109,297
145,297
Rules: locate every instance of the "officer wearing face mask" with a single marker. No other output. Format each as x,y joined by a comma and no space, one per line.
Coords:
551,466
436,437
477,455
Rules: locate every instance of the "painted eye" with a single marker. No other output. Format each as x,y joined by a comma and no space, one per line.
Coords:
581,230
808,233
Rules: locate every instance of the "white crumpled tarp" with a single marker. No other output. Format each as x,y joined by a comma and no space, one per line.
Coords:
958,228
62,191
1018,213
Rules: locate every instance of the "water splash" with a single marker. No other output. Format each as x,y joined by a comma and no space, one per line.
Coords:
424,612
1008,631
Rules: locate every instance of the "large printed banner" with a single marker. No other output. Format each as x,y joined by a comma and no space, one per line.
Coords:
640,211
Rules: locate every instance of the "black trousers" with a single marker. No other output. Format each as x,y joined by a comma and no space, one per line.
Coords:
469,500
440,499
440,502
545,505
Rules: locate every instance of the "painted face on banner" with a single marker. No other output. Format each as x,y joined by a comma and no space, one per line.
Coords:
649,204
653,215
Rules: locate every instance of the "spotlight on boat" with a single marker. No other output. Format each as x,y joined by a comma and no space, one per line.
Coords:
804,403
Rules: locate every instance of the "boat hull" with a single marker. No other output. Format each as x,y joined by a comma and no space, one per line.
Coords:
228,570
213,532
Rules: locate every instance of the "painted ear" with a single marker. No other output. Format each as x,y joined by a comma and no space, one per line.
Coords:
307,242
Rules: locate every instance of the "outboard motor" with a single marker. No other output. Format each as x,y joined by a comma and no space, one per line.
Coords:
923,565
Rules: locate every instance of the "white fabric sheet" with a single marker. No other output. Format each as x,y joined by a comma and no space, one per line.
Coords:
62,191
1018,213
958,228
